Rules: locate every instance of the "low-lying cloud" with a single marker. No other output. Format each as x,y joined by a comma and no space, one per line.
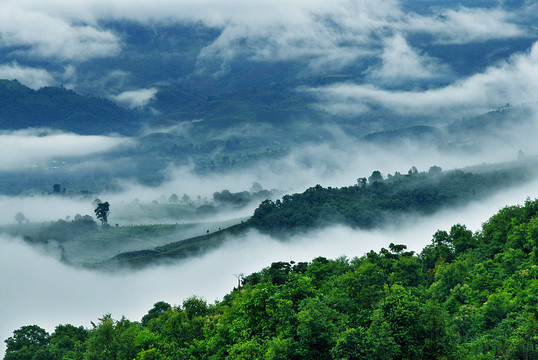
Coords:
43,208
32,77
46,35
327,36
339,162
402,63
135,98
32,147
463,25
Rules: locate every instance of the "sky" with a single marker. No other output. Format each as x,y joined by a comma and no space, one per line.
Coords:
47,43
401,51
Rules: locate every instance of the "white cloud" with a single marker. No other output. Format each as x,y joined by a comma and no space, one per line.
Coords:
45,35
31,77
514,81
135,98
401,62
465,25
328,35
333,36
26,148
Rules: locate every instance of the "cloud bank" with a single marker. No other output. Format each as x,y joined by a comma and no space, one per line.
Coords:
512,81
29,148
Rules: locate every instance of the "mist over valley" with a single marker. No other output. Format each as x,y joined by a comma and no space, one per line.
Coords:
226,138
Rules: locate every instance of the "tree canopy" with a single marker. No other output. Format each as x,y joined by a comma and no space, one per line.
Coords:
101,211
368,205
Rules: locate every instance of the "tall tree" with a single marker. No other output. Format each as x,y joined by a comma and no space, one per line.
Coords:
376,176
101,211
27,343
19,217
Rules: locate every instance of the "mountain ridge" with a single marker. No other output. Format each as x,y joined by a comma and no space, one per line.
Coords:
62,109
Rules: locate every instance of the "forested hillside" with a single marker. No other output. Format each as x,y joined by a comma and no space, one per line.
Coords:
464,296
374,201
60,108
371,203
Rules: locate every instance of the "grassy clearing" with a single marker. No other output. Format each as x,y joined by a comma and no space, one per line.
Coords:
172,251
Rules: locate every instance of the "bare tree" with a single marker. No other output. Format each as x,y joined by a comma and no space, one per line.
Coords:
240,278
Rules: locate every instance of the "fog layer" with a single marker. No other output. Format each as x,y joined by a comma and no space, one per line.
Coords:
35,147
337,163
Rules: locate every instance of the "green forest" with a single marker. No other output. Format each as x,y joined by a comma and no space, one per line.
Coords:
374,201
464,296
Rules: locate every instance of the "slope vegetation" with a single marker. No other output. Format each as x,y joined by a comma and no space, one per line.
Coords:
369,204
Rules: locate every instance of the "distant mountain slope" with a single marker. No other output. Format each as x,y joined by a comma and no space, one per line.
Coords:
60,108
418,133
466,131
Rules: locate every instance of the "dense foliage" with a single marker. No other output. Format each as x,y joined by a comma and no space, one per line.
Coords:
373,201
465,296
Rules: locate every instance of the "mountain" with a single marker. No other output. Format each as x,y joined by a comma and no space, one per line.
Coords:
62,109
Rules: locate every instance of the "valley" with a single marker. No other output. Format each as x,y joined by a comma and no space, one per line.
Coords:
298,180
